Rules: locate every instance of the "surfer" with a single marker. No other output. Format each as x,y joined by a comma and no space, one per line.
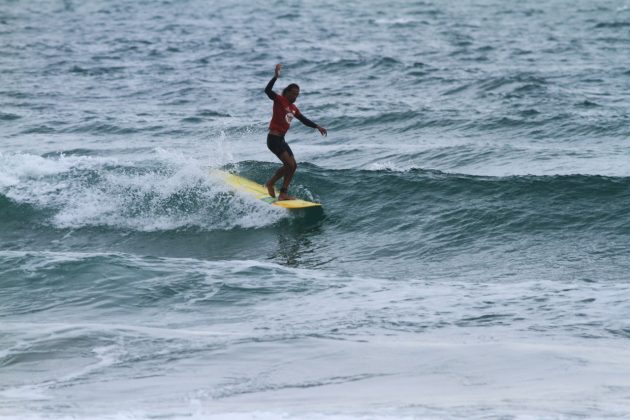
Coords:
284,110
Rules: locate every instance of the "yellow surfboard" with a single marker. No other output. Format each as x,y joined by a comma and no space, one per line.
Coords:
260,192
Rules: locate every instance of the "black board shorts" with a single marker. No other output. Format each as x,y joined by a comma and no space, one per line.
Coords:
278,145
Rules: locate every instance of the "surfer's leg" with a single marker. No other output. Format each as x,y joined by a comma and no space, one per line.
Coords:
280,148
276,145
272,182
290,165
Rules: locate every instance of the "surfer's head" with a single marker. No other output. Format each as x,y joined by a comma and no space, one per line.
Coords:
291,92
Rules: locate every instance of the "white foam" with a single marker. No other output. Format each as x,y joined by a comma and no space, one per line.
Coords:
170,190
18,167
27,392
602,165
210,415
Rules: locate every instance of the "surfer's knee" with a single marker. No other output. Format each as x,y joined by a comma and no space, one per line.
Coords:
290,166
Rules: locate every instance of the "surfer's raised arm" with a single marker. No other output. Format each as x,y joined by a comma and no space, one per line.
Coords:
268,90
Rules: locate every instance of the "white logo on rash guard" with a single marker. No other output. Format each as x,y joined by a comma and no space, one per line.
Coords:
289,116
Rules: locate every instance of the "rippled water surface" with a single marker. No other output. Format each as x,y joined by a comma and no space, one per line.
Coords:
472,260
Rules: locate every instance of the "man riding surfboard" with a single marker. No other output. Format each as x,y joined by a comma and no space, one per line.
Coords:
284,110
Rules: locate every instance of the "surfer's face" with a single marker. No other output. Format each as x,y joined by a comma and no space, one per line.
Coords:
292,94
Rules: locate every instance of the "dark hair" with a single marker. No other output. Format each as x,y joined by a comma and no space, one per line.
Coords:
291,86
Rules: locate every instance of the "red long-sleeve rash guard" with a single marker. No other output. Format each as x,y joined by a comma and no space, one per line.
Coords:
284,111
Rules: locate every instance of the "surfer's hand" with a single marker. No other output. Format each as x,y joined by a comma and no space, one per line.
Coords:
278,70
322,131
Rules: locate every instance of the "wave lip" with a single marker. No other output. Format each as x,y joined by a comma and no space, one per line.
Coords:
168,194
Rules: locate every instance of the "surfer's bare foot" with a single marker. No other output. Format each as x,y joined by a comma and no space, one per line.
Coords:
270,189
284,196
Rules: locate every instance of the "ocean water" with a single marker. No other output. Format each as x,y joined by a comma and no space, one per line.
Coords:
472,260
